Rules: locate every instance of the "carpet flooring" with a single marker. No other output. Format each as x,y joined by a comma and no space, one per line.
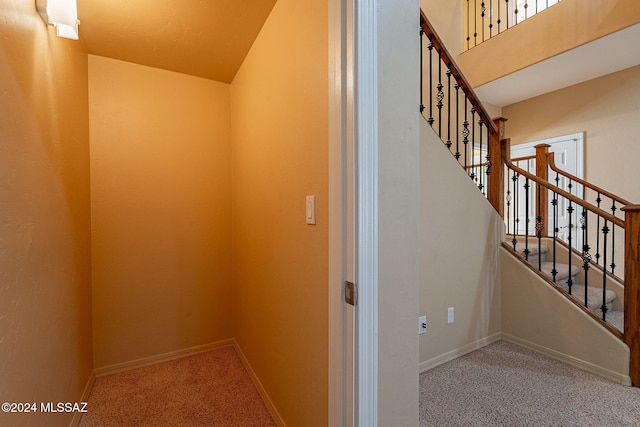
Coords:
208,389
506,385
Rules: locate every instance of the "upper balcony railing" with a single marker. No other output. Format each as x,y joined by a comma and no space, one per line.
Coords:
485,19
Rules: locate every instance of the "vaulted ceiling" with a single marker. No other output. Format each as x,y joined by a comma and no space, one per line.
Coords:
205,38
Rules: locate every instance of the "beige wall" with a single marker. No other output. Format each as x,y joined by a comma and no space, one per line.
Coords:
280,265
447,18
45,262
398,186
161,211
607,109
460,235
564,26
535,315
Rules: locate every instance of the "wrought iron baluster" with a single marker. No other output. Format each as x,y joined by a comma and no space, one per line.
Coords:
482,14
468,25
598,200
570,210
507,14
499,17
526,215
613,240
421,71
539,226
554,203
526,5
475,22
490,18
489,164
457,155
508,203
440,95
473,145
465,133
605,232
516,213
586,256
480,162
448,143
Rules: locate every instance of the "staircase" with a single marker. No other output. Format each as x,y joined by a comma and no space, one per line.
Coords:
587,277
537,258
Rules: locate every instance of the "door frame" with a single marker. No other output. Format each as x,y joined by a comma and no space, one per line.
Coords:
358,101
528,148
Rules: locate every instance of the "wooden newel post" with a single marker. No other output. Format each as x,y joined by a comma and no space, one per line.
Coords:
632,288
542,171
496,177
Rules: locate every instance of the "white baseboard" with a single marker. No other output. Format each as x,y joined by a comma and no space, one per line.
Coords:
165,357
258,385
461,351
85,396
570,360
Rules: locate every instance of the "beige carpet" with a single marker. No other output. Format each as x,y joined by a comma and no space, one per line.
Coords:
209,389
506,385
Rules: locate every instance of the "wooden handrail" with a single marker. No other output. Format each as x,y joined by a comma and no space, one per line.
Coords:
552,165
560,191
519,159
455,71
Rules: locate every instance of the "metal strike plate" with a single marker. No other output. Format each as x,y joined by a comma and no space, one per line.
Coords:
350,293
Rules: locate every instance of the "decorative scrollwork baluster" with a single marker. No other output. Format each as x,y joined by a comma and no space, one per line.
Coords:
440,97
465,133
586,256
483,10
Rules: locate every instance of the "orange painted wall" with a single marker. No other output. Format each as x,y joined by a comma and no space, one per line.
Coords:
45,261
279,104
161,211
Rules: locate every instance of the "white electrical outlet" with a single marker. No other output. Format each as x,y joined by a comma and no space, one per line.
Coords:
450,315
422,324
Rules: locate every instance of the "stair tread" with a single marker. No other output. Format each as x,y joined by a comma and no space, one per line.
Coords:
562,270
533,249
594,295
613,317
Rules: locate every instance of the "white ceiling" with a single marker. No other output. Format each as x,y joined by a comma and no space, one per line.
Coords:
606,55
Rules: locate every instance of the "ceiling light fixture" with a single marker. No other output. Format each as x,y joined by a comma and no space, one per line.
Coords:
62,14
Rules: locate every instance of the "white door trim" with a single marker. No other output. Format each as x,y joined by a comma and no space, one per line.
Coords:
366,211
337,396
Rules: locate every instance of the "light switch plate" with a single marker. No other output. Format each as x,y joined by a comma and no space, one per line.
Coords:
311,210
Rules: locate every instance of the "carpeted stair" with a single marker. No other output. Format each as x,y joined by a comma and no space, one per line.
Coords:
537,257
